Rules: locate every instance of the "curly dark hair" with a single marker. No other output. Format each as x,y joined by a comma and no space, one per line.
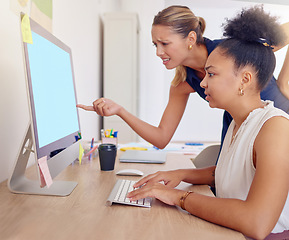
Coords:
250,37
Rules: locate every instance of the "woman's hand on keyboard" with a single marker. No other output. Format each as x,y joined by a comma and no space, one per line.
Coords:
169,178
159,191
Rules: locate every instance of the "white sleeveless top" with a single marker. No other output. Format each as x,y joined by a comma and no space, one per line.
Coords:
235,169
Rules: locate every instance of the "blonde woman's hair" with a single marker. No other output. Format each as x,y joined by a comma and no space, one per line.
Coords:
182,21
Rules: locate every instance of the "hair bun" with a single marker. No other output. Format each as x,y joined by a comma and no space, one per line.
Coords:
202,24
253,24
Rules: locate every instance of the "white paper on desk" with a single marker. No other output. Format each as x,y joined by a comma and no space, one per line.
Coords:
45,175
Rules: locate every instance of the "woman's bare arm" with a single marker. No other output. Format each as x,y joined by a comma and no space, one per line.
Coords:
158,136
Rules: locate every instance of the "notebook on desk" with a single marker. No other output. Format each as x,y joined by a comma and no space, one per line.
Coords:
135,156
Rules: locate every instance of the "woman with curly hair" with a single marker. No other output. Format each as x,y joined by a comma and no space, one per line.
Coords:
251,176
178,36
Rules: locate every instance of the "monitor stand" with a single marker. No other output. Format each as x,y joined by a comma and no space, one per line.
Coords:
18,183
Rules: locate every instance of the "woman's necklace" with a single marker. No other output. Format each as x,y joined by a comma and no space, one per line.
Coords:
234,134
232,140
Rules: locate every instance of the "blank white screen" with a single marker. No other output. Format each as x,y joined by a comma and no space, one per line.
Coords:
53,90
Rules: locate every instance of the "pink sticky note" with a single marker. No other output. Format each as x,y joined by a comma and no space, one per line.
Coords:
45,176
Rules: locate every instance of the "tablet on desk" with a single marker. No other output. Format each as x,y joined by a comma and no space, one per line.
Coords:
135,156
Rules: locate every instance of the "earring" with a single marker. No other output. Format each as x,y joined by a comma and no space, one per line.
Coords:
241,91
190,47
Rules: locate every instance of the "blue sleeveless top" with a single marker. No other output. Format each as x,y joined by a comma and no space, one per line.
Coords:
270,92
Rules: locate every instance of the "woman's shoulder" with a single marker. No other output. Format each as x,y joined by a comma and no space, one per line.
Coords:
274,131
213,41
272,111
182,88
278,118
274,119
211,44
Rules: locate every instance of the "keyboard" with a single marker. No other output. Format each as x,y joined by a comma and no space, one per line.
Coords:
118,195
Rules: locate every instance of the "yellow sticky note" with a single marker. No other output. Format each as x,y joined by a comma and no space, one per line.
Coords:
26,30
81,151
23,3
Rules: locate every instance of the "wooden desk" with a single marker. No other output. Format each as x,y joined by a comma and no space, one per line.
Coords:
84,215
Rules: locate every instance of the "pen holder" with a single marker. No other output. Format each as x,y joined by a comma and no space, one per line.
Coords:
109,140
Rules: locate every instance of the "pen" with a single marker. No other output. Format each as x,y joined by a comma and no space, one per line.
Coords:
91,147
79,134
194,144
156,148
91,151
133,148
102,133
107,132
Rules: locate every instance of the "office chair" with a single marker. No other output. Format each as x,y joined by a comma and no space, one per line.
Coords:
207,157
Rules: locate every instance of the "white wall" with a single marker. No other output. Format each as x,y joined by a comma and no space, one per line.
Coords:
13,104
152,95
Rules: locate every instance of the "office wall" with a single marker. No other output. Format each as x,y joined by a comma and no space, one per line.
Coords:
13,106
152,84
77,23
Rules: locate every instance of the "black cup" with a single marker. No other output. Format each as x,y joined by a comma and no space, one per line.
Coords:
107,154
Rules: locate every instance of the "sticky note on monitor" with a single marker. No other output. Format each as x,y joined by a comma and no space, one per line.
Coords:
26,29
45,176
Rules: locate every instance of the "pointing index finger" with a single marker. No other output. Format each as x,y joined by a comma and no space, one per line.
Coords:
87,108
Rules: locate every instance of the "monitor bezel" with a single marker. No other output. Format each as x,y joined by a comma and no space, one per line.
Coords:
68,140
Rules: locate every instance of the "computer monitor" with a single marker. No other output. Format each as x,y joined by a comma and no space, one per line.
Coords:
54,123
